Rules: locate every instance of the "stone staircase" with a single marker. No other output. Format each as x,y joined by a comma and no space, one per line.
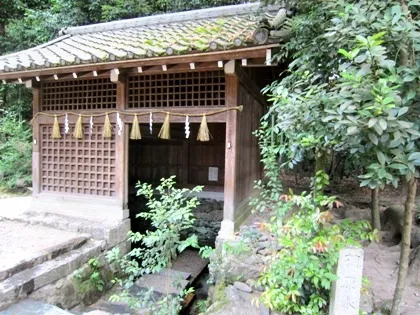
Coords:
30,276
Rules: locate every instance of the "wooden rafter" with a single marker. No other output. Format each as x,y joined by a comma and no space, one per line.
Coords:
242,53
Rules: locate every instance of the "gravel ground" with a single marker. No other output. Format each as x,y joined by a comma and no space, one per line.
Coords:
20,241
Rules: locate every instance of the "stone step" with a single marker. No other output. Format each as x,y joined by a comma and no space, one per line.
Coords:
114,232
23,283
8,270
29,307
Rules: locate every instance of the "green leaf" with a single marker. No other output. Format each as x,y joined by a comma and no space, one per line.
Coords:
372,122
402,111
373,138
414,156
397,166
383,123
352,130
381,157
378,128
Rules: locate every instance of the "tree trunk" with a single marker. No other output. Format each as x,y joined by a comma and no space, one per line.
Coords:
405,246
376,220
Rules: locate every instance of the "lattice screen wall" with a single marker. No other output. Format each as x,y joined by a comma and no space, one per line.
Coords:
82,94
177,90
77,166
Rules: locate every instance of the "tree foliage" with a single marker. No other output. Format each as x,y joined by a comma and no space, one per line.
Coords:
352,86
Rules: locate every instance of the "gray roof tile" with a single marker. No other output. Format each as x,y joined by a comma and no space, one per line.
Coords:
178,33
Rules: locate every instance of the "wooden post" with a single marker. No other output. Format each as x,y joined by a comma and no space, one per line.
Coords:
36,142
121,168
232,84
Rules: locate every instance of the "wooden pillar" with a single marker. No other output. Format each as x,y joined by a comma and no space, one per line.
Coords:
36,142
232,84
121,158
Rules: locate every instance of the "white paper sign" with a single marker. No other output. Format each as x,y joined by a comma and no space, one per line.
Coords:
213,174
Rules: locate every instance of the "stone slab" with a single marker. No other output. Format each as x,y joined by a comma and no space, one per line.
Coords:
29,307
29,280
12,266
190,261
175,274
26,245
162,284
345,292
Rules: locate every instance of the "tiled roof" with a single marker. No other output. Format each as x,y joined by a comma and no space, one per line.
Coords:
221,28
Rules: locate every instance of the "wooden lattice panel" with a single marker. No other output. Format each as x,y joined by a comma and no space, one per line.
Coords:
82,94
76,166
177,90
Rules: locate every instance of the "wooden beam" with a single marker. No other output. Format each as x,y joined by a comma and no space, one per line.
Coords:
205,66
121,151
233,68
249,52
28,84
259,62
36,143
115,75
268,57
232,85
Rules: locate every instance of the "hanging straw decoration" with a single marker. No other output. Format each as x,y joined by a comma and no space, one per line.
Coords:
203,132
66,124
135,130
187,127
107,127
91,125
78,129
56,129
151,122
119,124
165,131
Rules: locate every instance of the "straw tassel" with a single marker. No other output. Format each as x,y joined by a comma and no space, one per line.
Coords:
135,130
78,129
56,129
203,132
107,127
165,131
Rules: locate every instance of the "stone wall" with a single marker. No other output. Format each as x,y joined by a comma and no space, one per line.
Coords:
209,215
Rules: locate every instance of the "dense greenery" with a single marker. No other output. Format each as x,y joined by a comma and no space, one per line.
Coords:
169,211
351,88
298,278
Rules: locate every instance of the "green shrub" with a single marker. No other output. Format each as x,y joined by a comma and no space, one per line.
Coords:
299,276
170,213
15,152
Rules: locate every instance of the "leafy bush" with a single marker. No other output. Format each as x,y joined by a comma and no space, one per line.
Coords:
15,152
93,280
170,213
299,276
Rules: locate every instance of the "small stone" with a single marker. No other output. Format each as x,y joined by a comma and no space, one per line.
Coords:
262,245
264,252
59,284
242,287
263,238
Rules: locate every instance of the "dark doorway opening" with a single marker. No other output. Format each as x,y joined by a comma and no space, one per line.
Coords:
191,161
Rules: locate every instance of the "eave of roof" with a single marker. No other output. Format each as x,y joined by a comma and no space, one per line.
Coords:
143,40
